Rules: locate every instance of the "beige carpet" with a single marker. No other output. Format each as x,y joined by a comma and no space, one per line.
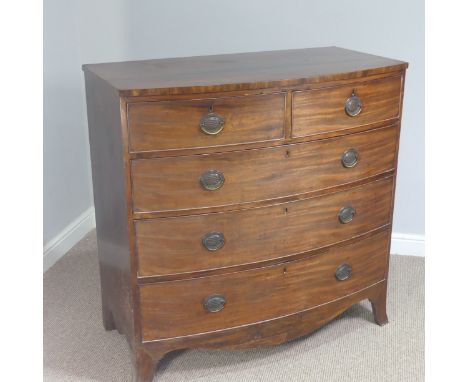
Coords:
351,348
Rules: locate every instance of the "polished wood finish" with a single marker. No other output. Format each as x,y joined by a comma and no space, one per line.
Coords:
110,200
169,125
243,71
379,306
173,309
284,186
322,110
145,364
267,333
173,184
259,234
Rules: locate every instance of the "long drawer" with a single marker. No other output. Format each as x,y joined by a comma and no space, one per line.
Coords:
340,108
187,307
207,122
201,181
167,246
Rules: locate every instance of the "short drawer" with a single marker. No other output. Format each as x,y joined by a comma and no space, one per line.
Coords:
177,245
178,308
170,125
338,108
227,179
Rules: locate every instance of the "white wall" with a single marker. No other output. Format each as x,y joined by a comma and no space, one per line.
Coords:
67,185
99,31
75,32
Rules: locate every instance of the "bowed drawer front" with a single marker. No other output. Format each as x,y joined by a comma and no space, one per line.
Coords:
171,125
227,179
178,308
343,107
241,200
260,234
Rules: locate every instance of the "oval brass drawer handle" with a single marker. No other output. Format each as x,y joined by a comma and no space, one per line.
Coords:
350,158
353,105
212,123
346,214
213,241
212,180
343,272
214,303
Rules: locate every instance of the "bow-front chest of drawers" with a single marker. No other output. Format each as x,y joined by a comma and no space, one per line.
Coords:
241,200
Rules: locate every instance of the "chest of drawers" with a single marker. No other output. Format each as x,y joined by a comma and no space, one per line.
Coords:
241,200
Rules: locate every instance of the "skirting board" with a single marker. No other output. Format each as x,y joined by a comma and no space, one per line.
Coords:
407,244
65,240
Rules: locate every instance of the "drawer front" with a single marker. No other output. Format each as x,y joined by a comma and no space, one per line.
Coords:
178,308
170,125
171,184
324,110
202,242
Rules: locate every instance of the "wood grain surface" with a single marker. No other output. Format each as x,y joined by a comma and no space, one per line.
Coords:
166,184
284,183
323,110
173,125
168,246
110,201
175,308
271,332
243,71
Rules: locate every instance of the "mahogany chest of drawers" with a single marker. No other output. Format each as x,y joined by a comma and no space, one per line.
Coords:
241,200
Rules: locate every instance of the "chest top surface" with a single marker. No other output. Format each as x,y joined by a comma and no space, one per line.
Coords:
242,71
